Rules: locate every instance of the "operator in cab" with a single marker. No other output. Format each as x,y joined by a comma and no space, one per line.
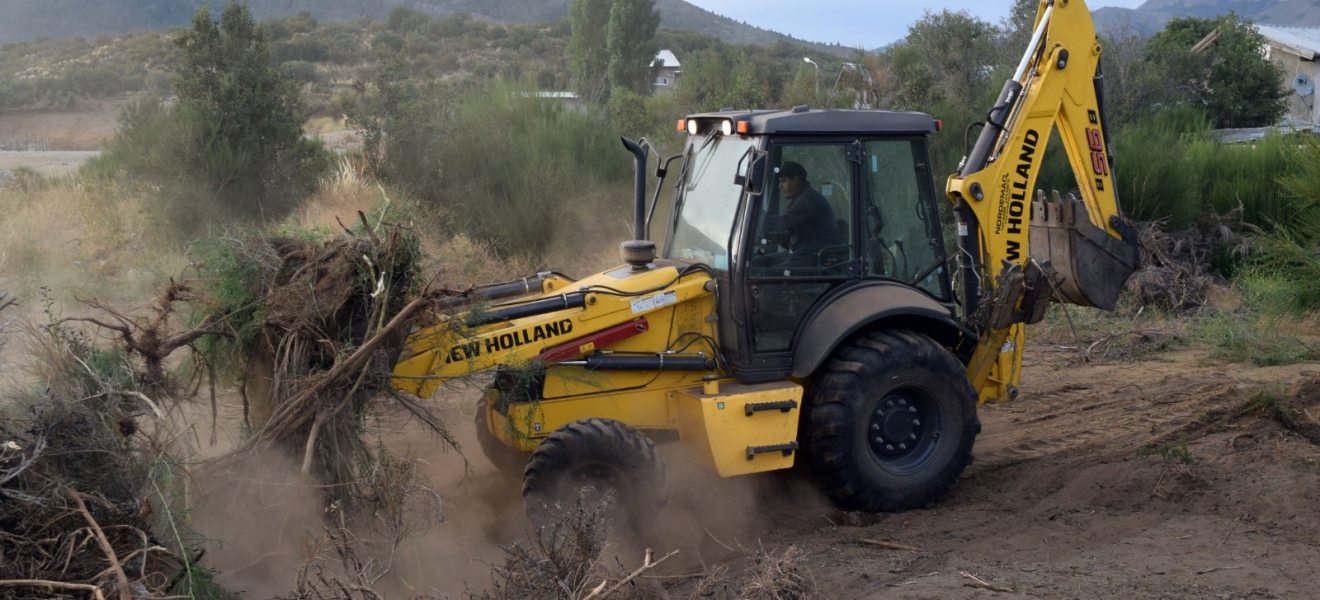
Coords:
805,227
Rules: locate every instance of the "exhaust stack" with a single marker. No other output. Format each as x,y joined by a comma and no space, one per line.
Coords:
640,251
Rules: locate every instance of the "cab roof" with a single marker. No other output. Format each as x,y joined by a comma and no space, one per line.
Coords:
803,120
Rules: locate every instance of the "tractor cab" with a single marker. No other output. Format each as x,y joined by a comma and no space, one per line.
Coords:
816,223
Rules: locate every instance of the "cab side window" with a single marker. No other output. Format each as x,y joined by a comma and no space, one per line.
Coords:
901,218
803,242
804,227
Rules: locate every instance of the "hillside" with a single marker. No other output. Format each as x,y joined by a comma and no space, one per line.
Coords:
66,18
1151,16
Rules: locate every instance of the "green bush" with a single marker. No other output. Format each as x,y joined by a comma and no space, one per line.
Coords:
387,40
304,48
1154,179
1246,175
628,112
515,163
300,71
503,163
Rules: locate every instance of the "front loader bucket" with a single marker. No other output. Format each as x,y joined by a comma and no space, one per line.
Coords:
1092,264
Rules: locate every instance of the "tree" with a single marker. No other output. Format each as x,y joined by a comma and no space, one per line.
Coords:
958,49
631,43
1017,27
231,145
253,115
588,54
1231,79
721,77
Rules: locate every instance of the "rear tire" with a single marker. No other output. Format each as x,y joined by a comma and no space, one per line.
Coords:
892,421
600,454
506,459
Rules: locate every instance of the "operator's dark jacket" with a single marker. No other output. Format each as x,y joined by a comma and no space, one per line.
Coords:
809,222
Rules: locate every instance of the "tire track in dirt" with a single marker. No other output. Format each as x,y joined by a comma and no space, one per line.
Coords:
1062,503
1057,419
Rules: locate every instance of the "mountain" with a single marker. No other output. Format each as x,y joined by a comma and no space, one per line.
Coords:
25,19
1152,16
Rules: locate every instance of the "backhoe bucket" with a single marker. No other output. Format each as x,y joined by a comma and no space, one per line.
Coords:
1092,264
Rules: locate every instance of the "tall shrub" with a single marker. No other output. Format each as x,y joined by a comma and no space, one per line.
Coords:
515,165
231,145
631,43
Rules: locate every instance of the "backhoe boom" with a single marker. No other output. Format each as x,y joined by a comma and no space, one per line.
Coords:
1014,248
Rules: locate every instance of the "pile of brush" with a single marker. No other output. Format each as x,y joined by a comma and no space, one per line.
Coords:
1178,268
89,468
313,331
96,470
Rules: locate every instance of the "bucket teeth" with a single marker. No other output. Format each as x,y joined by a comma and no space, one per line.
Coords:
1092,265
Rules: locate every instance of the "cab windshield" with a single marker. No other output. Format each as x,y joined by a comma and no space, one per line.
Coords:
707,200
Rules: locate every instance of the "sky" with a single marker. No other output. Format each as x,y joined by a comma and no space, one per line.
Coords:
858,23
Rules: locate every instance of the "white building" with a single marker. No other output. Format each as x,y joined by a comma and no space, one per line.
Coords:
1296,50
666,72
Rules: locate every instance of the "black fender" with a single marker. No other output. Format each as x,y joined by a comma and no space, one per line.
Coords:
869,305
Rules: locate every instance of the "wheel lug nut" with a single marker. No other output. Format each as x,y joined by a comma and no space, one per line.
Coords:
902,402
889,447
916,422
902,446
889,403
875,427
879,440
879,413
912,436
912,409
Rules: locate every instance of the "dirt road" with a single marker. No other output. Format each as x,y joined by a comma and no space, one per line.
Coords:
1114,480
55,163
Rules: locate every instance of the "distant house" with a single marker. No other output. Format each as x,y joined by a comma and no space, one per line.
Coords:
666,72
1296,50
568,100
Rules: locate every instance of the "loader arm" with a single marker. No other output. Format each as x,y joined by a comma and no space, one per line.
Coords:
565,321
1017,251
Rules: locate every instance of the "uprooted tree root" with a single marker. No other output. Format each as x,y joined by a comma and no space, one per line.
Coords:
1177,272
318,328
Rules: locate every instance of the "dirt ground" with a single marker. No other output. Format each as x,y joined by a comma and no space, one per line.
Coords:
54,163
1109,480
83,128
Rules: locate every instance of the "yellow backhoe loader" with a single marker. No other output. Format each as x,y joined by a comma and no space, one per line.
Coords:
847,335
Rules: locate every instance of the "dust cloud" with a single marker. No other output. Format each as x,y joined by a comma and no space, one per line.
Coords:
263,523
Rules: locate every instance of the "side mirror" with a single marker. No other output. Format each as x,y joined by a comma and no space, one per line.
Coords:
755,183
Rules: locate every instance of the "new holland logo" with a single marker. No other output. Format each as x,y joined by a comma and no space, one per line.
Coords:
493,342
1012,212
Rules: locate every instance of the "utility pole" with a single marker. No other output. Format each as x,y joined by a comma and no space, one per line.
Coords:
813,63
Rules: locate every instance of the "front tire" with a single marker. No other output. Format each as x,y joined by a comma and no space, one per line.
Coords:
601,455
892,422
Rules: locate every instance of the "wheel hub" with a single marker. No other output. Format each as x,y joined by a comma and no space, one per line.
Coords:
898,426
600,479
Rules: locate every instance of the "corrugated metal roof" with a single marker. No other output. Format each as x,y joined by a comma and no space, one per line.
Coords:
1305,39
665,58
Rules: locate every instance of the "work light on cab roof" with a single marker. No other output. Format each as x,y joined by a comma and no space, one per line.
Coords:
725,126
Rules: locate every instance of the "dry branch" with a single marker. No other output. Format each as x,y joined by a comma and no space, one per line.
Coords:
54,585
890,545
105,546
647,565
978,583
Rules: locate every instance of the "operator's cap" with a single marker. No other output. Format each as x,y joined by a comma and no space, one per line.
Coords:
791,169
